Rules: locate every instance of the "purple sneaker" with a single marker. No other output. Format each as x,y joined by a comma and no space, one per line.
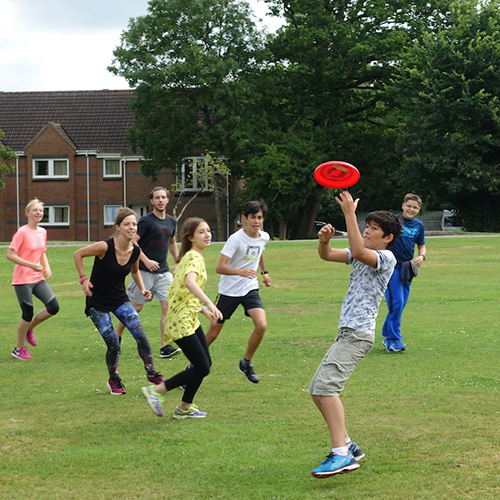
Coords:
154,400
155,378
31,338
116,387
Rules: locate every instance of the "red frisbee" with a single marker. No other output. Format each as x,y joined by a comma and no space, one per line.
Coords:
336,174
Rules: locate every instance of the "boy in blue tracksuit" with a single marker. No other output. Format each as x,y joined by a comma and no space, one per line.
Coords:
399,286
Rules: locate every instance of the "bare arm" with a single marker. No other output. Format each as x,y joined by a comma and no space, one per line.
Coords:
325,251
173,248
266,278
356,243
137,277
47,272
13,257
422,251
223,268
196,290
96,250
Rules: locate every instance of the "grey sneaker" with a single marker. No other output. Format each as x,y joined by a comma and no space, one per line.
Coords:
248,371
154,400
356,452
191,412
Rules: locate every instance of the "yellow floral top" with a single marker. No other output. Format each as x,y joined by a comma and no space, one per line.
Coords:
183,306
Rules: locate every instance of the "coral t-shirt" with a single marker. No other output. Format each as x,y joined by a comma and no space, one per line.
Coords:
30,245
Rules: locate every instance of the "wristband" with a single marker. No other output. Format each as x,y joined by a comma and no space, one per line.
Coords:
422,255
324,242
204,308
264,273
82,279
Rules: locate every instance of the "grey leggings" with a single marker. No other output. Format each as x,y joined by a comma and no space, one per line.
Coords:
42,291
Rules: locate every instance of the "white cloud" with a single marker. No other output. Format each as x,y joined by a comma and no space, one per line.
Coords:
66,44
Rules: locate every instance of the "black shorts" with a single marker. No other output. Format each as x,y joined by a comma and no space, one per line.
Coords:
227,305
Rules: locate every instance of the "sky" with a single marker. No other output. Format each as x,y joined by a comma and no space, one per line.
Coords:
68,44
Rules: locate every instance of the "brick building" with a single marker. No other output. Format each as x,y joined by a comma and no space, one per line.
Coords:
73,155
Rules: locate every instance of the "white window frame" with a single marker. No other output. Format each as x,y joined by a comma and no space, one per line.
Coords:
112,176
50,174
196,185
111,222
52,215
140,210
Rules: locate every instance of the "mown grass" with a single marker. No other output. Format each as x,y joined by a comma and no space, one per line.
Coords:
427,419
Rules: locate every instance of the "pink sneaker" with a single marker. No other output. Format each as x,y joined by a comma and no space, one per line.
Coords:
31,338
21,353
116,388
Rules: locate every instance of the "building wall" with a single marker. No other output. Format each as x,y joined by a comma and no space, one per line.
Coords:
131,189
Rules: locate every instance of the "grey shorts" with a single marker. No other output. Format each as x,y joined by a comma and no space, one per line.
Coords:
348,349
156,283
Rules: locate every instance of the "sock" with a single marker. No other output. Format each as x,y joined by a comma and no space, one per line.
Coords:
119,340
348,441
341,450
245,362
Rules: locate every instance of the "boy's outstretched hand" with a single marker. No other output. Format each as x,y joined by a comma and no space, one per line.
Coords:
347,203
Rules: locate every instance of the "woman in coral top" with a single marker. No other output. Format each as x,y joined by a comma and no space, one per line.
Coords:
27,251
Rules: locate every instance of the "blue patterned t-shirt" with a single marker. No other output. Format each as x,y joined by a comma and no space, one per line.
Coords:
366,287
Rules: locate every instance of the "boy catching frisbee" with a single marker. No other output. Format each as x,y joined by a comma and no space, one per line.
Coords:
372,266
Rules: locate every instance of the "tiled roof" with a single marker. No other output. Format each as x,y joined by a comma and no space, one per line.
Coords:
93,120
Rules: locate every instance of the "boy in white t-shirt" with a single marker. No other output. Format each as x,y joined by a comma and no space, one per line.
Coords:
240,258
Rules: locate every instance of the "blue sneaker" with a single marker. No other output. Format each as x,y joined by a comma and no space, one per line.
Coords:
356,452
154,400
335,464
394,346
384,341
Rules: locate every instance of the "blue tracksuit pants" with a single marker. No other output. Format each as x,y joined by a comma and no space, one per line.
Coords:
396,297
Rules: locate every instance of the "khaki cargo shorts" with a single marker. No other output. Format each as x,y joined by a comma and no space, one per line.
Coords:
348,349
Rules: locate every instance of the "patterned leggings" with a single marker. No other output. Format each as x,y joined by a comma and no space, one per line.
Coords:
127,314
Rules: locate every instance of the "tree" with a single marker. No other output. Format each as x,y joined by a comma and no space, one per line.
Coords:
322,97
212,173
186,60
7,157
450,133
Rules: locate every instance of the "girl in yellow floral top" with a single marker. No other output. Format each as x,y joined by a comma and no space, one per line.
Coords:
185,297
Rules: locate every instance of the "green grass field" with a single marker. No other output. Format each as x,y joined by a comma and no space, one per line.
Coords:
427,419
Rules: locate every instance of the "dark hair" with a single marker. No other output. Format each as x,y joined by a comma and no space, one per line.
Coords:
122,213
254,207
158,188
188,229
388,222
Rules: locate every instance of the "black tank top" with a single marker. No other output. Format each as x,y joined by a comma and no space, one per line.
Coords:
108,278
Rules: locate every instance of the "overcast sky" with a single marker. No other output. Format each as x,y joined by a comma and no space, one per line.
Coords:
67,44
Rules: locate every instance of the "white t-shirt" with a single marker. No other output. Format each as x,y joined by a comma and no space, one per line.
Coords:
244,253
366,287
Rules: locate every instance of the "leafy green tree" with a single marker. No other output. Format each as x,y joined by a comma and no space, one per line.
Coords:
7,157
322,97
450,134
186,60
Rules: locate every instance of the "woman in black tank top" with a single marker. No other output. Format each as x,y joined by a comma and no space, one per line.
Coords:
114,259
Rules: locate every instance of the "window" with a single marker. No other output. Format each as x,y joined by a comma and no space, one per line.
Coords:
110,213
140,210
112,167
194,175
50,168
55,215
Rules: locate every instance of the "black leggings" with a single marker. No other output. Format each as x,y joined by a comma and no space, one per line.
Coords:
195,348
